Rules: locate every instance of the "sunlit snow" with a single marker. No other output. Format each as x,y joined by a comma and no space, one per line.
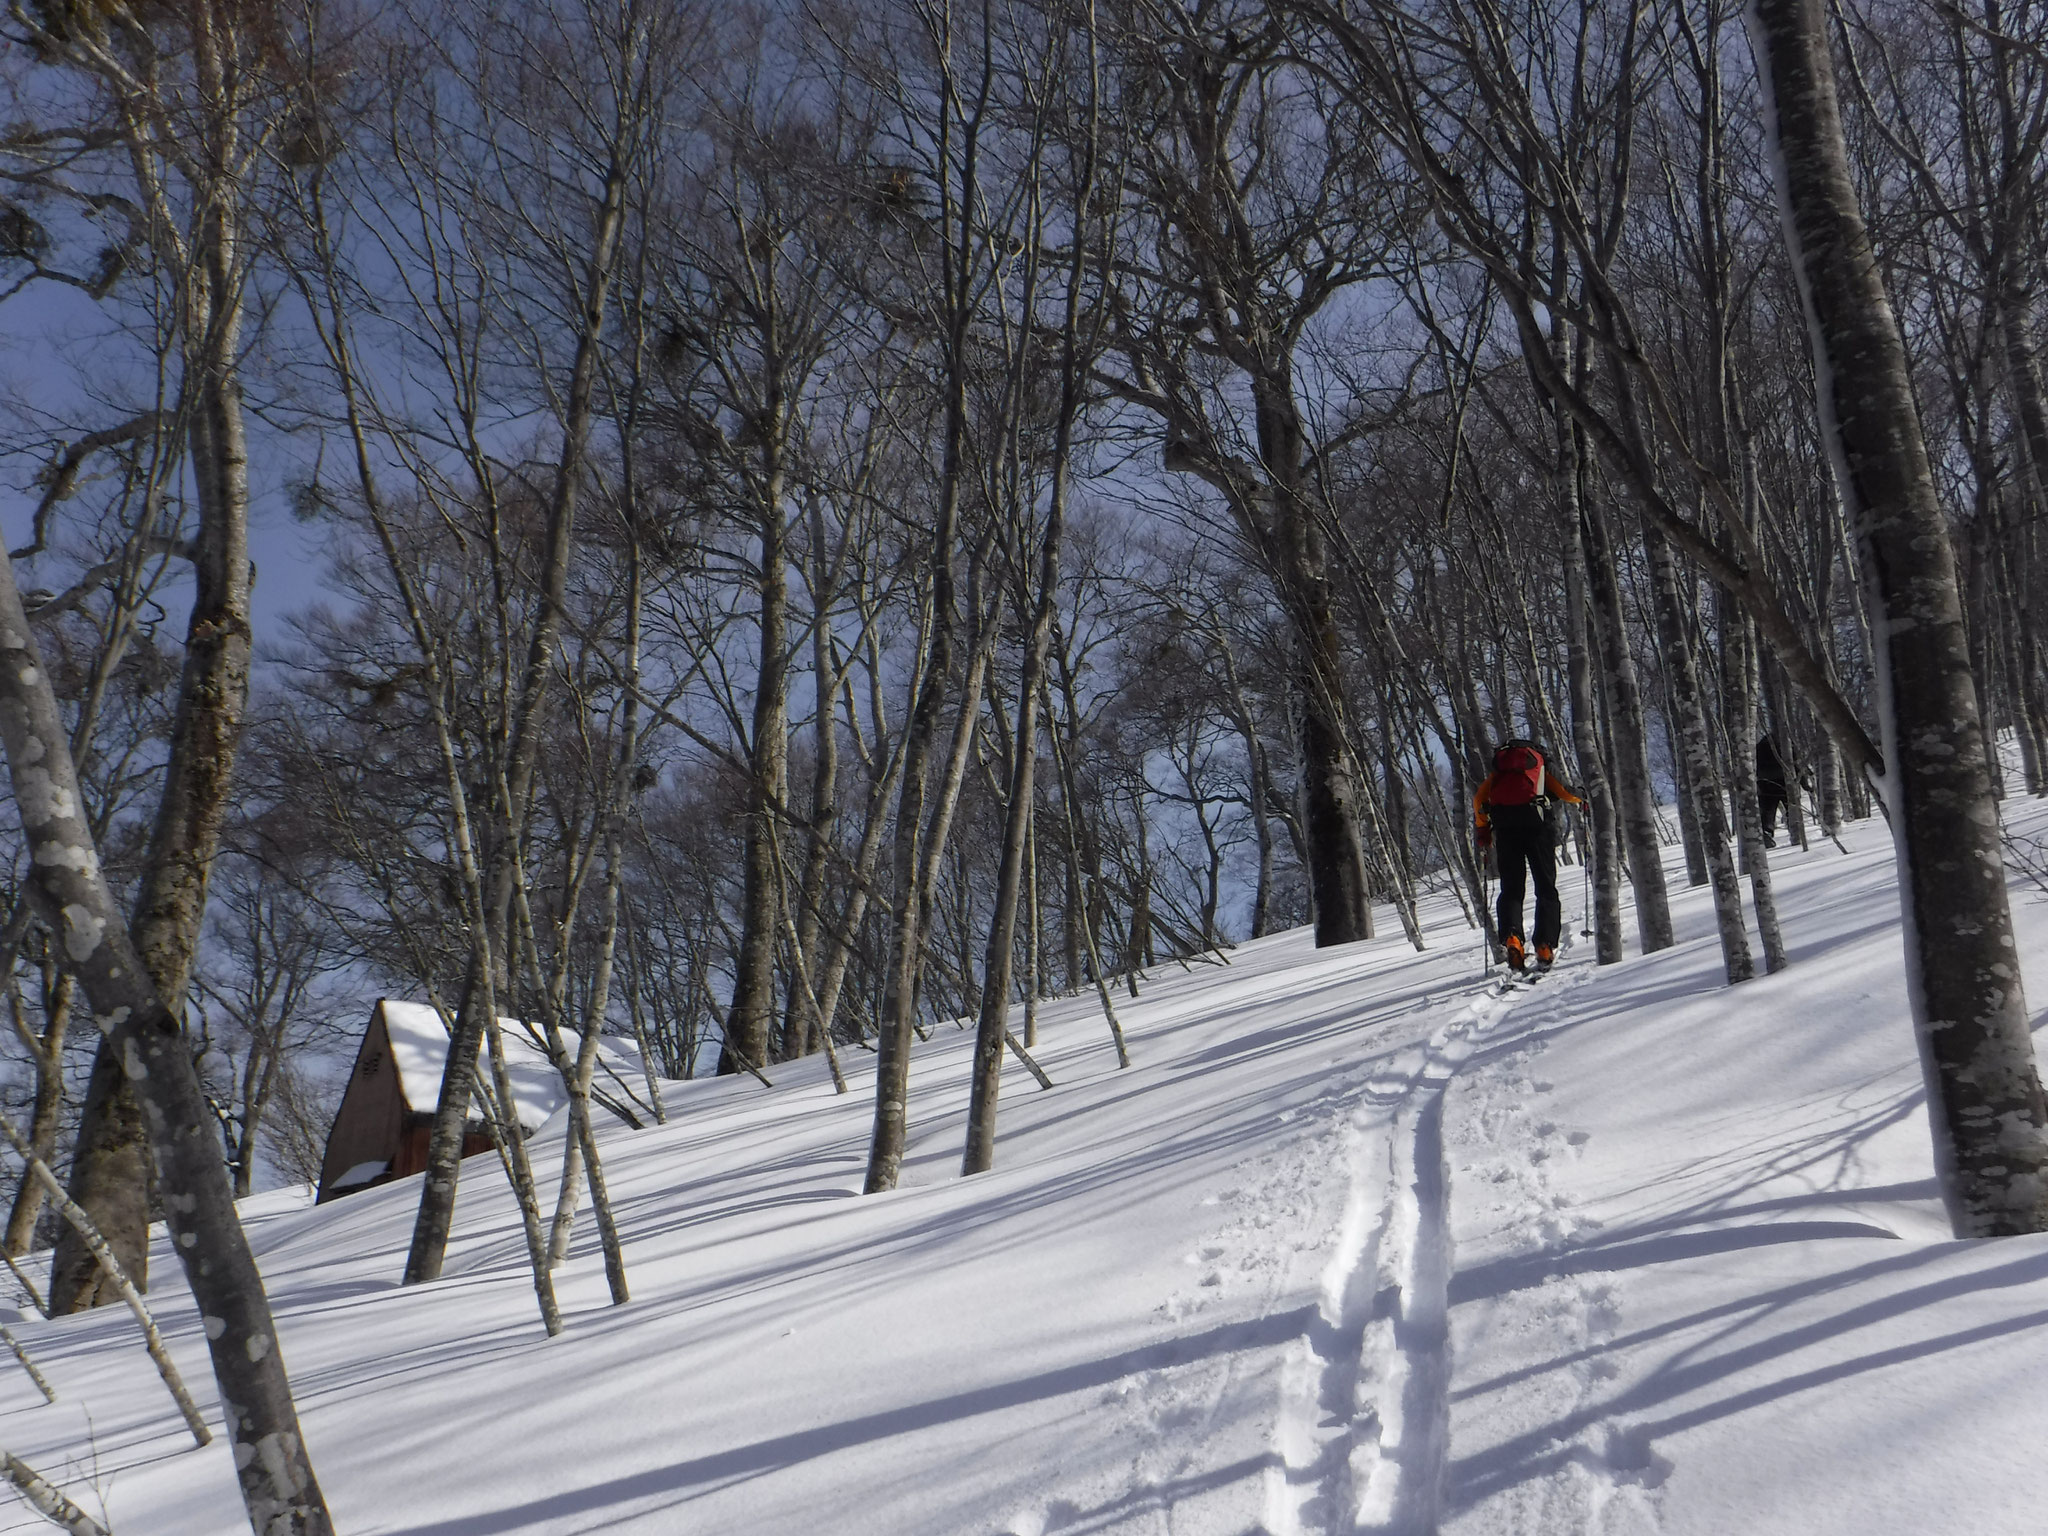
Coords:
1354,1245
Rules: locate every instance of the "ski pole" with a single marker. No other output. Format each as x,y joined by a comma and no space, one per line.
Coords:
1485,926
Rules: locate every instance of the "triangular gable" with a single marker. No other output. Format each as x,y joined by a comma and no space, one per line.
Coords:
418,1043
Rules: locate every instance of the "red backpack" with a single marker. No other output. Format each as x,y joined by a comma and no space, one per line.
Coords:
1517,775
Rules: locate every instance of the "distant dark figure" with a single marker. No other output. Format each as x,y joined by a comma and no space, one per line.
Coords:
1770,787
1509,809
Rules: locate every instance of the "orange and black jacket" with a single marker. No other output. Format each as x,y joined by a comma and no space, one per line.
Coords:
1482,797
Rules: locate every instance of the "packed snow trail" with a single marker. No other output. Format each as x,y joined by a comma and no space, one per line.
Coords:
1363,1435
1357,1247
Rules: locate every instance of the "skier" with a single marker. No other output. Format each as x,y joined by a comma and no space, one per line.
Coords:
1770,787
1510,811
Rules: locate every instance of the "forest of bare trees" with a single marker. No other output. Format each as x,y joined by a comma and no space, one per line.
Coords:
845,517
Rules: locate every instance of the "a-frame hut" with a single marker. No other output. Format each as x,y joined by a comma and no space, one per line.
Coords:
387,1112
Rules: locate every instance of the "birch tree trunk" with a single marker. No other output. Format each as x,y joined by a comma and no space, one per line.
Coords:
71,895
992,1026
47,1498
1738,671
451,1113
49,1101
1984,1095
1696,765
803,1015
1594,785
906,941
749,1023
111,1174
1637,803
961,105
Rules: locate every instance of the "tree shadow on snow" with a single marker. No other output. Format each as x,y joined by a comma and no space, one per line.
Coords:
1737,1345
667,1487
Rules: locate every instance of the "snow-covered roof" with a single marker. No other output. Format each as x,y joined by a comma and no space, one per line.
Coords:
363,1173
419,1050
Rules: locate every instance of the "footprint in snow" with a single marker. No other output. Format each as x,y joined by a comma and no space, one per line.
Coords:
1631,1457
1039,1522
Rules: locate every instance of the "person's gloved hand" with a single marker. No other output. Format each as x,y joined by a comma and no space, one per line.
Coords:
1485,838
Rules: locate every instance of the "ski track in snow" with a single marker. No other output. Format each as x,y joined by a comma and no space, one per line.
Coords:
1364,1423
1611,1473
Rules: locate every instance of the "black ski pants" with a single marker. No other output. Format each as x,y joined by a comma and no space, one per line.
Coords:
1524,851
1770,800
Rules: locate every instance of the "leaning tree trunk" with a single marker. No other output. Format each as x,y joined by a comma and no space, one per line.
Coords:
491,948
1984,1096
71,896
992,1028
961,253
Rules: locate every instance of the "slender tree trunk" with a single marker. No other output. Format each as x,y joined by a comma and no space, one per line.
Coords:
1600,810
843,934
1696,764
799,1024
1984,1094
992,1026
906,942
583,1135
47,1499
639,1016
123,1288
1070,798
1738,671
939,825
28,1364
749,1022
2018,663
1014,863
451,1113
49,1107
1684,794
110,1173
1034,934
1636,799
512,1147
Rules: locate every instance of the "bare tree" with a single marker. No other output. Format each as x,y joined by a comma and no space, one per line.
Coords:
260,1005
1983,1090
71,895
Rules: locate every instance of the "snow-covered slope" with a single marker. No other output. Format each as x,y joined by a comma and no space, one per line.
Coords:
1354,1245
